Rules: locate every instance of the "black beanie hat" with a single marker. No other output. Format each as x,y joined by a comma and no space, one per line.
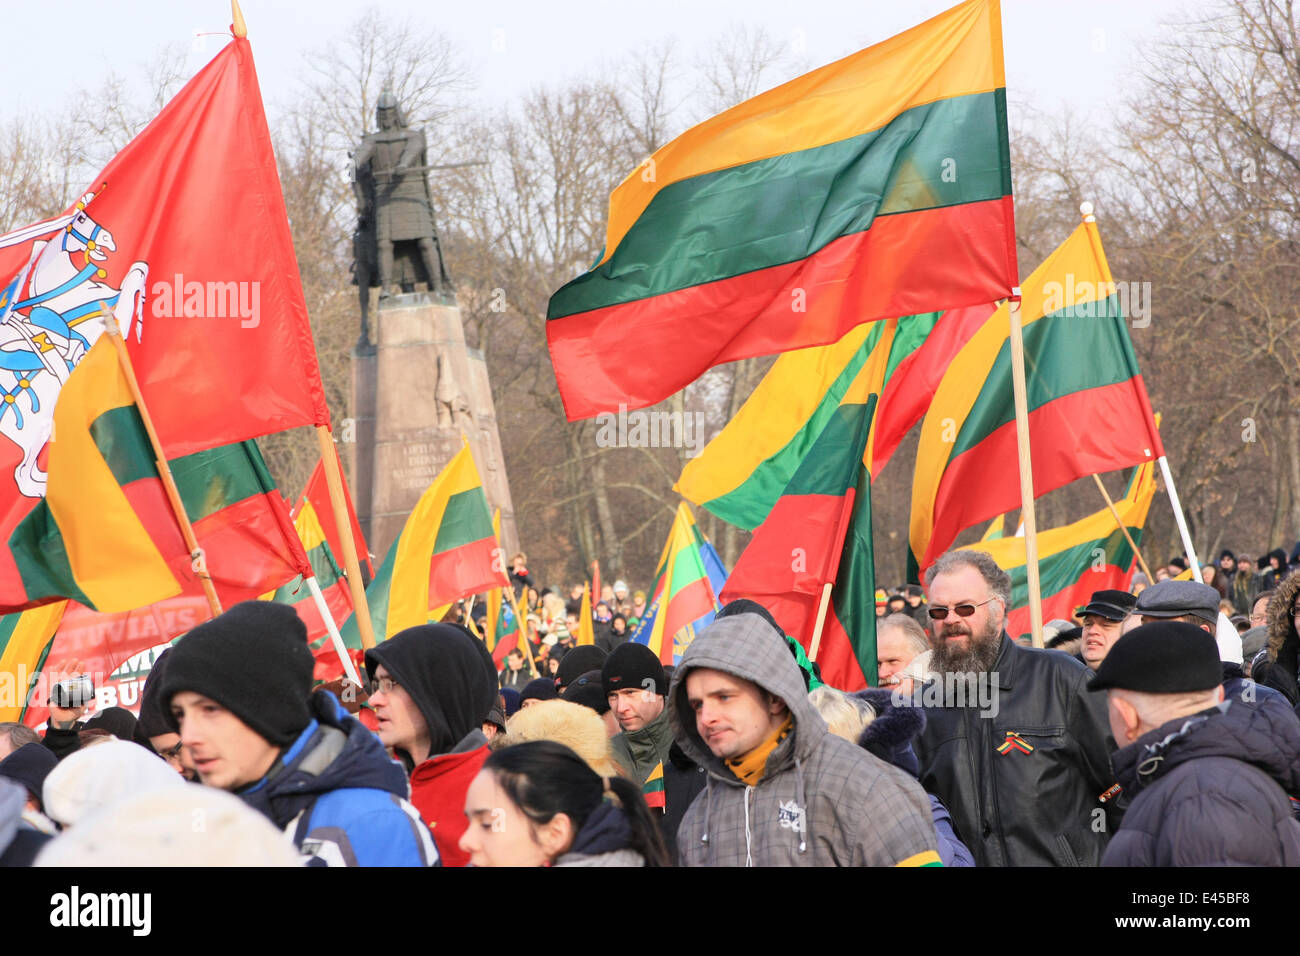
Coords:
154,722
449,675
589,691
633,665
539,688
254,661
578,661
121,723
1163,657
29,765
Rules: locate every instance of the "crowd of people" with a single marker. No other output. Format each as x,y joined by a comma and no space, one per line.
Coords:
1156,730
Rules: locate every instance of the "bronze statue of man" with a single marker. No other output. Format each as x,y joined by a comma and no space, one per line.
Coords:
395,222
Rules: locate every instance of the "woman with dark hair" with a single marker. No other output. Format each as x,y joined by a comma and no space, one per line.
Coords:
540,804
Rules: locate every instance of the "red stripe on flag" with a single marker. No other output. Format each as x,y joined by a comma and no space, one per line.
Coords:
689,604
1096,430
1063,602
805,527
462,571
634,354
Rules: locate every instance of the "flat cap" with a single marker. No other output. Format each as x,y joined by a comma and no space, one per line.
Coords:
1176,598
1110,604
1163,657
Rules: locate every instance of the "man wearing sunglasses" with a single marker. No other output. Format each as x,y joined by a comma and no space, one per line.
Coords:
1014,745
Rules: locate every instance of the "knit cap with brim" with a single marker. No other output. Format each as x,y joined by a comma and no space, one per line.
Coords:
254,661
1162,657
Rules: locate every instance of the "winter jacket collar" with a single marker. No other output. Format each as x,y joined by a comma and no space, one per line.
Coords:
1267,738
333,752
646,745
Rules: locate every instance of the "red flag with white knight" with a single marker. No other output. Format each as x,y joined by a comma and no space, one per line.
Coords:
185,238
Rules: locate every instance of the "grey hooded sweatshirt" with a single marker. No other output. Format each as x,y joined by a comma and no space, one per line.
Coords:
821,800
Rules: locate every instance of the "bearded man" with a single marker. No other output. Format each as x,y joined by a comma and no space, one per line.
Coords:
1015,745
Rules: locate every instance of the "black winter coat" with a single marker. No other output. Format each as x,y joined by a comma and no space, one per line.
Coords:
1036,808
1211,790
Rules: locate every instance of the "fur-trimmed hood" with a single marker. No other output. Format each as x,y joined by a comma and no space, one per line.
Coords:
889,735
1281,626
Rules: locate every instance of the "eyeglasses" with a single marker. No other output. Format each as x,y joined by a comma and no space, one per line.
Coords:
171,753
383,685
938,612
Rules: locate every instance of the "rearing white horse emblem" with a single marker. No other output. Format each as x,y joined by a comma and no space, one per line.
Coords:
44,327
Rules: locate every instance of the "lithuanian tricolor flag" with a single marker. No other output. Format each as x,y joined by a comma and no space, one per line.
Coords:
1073,561
317,492
680,593
333,586
743,470
25,641
1088,406
445,552
819,531
500,627
103,534
653,788
875,187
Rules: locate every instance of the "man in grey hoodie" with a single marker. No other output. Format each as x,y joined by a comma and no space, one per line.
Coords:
781,790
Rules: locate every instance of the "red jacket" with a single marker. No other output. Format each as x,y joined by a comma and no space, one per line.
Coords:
438,788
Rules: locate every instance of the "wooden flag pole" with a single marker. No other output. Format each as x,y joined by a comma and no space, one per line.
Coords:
197,560
821,620
351,563
1123,527
1026,473
521,627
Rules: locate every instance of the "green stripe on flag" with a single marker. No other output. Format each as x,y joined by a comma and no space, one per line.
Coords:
786,208
465,520
1073,350
1060,570
841,441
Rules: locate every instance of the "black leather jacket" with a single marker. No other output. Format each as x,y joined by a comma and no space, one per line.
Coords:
1036,804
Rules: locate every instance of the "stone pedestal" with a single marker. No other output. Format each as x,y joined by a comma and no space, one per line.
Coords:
414,393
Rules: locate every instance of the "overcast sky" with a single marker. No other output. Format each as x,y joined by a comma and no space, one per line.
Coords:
1060,54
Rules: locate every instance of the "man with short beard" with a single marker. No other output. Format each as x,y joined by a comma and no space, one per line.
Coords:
1014,744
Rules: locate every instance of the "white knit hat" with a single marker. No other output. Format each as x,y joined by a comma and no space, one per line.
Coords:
96,776
184,825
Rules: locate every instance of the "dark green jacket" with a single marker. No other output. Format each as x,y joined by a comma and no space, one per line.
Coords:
640,751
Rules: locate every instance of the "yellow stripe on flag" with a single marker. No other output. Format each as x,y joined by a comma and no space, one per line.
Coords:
86,501
969,371
408,601
586,629
22,655
1009,553
955,53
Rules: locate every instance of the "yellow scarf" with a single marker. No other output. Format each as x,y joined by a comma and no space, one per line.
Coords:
749,768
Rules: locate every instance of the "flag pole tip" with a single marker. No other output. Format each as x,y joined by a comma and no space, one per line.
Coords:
1085,210
237,25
